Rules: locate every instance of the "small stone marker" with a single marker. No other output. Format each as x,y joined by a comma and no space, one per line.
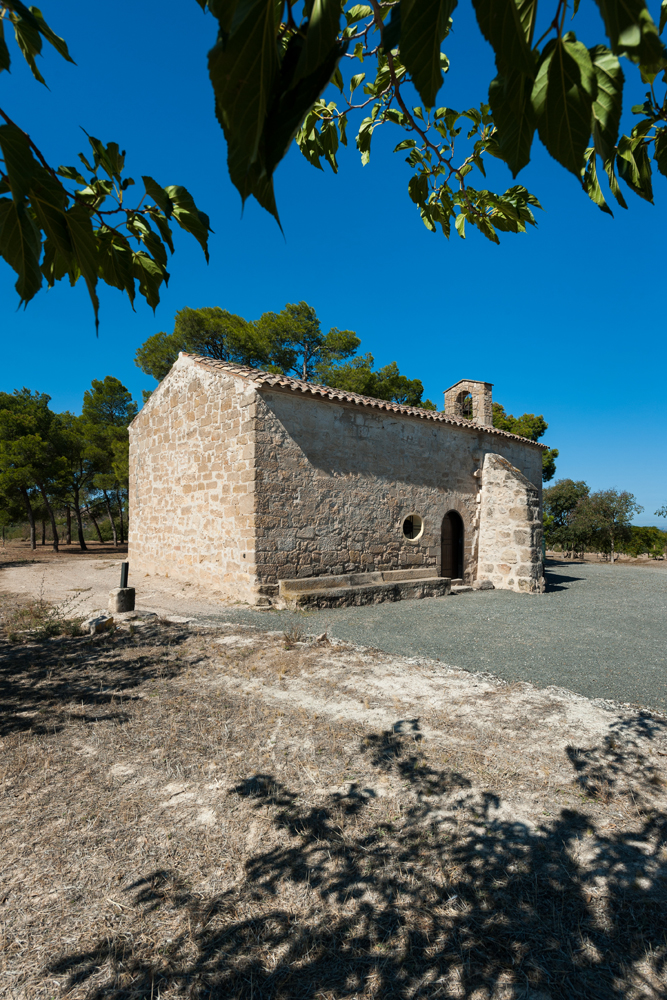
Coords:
121,599
483,585
101,623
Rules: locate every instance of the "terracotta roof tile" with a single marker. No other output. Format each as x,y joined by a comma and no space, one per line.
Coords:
272,380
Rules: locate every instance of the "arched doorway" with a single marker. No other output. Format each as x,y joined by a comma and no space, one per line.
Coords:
451,563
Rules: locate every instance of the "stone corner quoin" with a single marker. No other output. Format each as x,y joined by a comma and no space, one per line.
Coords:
240,479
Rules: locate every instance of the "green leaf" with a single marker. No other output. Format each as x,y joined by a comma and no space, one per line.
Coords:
391,30
563,96
514,116
608,102
355,81
30,43
484,225
424,25
159,195
663,16
508,25
188,216
358,13
54,265
59,44
418,188
115,261
163,227
592,185
613,182
364,137
20,245
20,164
72,174
634,167
108,157
49,201
84,252
139,226
150,276
660,152
632,33
243,67
5,60
323,27
461,225
291,104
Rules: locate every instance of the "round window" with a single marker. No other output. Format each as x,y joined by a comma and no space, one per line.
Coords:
413,526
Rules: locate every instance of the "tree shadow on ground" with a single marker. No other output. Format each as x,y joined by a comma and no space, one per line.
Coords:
454,900
41,682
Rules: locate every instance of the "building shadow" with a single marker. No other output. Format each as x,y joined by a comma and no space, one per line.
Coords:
555,582
421,907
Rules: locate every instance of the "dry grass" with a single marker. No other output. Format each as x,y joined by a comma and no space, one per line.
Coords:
36,620
17,551
190,813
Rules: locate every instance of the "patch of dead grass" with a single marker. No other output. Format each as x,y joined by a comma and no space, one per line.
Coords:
182,817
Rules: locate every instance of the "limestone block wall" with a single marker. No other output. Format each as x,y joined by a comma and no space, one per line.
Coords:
510,528
335,483
192,481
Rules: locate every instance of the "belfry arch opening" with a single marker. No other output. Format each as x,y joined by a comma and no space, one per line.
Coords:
466,406
451,560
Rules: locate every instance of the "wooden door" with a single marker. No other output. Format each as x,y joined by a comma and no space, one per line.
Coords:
451,562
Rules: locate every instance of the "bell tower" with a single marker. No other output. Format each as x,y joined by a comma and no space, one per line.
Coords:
470,400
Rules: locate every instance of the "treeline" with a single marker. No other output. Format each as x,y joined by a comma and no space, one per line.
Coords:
577,520
60,468
292,342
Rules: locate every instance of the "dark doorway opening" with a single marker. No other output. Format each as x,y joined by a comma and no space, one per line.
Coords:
451,563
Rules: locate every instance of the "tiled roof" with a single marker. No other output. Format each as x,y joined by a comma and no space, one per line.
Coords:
270,380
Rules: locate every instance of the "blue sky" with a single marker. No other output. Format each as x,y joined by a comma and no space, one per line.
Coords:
567,321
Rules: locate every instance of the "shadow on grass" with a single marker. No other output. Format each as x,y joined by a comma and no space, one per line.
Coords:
454,900
44,685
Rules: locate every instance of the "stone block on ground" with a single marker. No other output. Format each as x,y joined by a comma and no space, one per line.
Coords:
100,623
121,599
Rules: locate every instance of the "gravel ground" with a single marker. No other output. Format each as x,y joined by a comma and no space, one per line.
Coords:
600,631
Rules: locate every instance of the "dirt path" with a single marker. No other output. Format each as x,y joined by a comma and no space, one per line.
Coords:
84,585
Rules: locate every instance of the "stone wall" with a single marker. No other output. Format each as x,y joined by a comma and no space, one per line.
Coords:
510,531
335,483
192,481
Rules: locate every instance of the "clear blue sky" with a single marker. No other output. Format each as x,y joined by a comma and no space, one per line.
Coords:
567,321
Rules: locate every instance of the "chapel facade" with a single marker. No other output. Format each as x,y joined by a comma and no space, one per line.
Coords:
241,480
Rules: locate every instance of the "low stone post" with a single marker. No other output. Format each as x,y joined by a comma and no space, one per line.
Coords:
122,598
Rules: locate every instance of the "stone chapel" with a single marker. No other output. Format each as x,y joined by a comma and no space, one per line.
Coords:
269,489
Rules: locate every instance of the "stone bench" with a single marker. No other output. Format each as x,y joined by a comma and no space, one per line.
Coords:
353,589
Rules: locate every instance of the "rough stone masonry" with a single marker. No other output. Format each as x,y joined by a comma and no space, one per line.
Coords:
240,479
